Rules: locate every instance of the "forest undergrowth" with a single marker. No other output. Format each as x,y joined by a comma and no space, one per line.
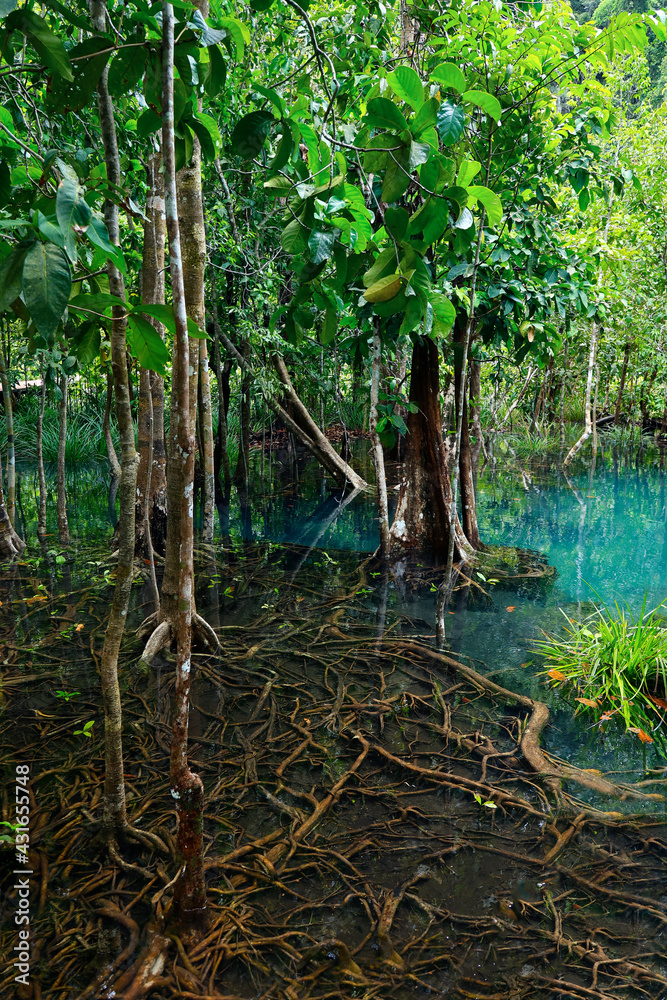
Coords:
379,820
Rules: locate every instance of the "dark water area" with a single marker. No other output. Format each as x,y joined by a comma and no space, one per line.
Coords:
431,868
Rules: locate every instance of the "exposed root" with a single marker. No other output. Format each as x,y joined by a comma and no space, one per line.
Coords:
160,638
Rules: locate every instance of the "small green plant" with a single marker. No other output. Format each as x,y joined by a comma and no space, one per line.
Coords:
488,803
616,665
8,832
67,695
87,729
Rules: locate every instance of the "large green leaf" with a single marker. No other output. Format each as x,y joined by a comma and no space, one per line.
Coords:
451,119
238,33
405,83
383,113
206,129
88,60
489,104
71,211
11,269
397,175
250,133
384,289
127,68
491,202
426,117
385,262
46,43
47,283
467,170
146,345
449,76
320,244
98,235
87,343
444,313
294,237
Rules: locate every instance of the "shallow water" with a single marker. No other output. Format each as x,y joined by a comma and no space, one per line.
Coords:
287,568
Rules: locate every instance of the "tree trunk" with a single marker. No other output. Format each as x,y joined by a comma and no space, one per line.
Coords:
41,517
466,470
11,455
241,471
588,426
319,444
421,525
106,427
222,444
206,424
621,387
10,543
378,454
186,788
63,526
151,482
115,817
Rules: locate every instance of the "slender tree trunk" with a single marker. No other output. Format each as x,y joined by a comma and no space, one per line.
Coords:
41,518
223,448
63,526
588,426
621,387
466,471
206,423
115,817
152,502
11,454
241,471
421,525
378,454
561,418
308,431
106,427
186,788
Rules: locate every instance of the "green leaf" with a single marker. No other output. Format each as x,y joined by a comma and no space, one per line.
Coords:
396,222
386,261
87,343
98,235
419,153
294,237
146,344
206,129
127,68
451,119
71,211
491,202
320,245
215,75
397,175
238,32
97,302
426,117
467,171
449,76
250,133
444,313
405,83
52,232
377,158
329,326
47,283
148,122
11,270
489,104
283,153
384,289
45,42
383,113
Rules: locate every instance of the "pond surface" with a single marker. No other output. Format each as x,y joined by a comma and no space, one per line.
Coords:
434,870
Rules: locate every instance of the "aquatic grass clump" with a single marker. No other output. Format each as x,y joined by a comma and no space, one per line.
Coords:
617,665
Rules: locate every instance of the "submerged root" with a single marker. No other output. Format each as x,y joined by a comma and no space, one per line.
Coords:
530,741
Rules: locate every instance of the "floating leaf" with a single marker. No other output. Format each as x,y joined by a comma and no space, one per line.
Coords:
512,607
556,675
589,702
643,736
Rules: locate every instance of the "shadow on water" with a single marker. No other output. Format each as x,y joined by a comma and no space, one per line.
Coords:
371,828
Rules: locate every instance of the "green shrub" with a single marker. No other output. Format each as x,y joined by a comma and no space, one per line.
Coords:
615,665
